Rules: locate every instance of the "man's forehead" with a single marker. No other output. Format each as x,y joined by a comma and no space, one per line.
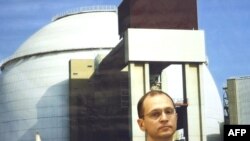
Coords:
158,96
157,101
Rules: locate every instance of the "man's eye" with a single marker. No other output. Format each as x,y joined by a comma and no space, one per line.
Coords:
169,111
155,114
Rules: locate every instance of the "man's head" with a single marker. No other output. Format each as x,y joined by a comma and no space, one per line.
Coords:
157,115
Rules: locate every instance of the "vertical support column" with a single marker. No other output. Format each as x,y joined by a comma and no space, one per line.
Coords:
138,84
195,111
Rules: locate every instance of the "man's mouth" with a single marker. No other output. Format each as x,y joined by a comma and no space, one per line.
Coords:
165,127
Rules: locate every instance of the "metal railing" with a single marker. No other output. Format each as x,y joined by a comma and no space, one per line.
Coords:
97,8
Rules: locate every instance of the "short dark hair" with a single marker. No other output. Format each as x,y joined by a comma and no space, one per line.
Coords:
140,109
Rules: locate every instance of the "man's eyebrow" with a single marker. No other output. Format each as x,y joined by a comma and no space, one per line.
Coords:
157,109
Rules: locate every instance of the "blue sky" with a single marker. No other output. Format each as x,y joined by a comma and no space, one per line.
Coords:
226,24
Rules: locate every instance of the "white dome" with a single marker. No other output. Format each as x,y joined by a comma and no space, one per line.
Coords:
96,27
34,83
214,117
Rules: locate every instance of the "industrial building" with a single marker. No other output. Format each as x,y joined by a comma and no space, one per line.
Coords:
80,77
237,100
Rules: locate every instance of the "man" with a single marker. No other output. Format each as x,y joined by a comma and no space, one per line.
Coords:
157,116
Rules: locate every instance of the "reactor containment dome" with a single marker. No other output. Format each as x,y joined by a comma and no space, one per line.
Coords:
35,79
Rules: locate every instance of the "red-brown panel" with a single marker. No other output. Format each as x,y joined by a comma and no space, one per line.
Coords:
163,14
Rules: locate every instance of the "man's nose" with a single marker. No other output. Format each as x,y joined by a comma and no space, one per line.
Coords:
164,116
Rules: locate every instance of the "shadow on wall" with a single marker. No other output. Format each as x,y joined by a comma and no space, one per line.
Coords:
97,111
52,122
103,117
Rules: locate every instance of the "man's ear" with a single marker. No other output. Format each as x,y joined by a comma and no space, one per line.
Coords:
141,124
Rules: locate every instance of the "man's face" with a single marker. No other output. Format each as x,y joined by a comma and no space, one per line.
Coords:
160,118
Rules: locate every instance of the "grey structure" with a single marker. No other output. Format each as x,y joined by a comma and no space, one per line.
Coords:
238,89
